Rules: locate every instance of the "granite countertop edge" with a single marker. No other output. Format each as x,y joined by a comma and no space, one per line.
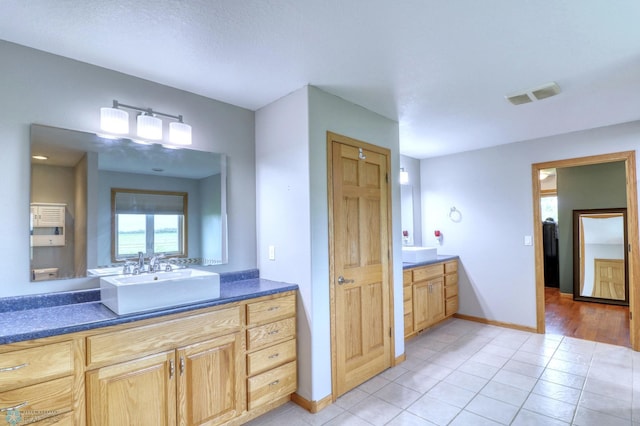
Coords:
28,324
439,259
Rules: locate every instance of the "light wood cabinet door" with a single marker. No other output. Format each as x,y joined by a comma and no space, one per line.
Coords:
420,305
211,381
428,303
435,311
135,393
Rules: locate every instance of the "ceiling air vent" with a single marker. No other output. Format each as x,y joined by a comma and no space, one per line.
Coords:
535,94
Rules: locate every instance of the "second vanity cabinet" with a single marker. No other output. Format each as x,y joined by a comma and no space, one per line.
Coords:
430,295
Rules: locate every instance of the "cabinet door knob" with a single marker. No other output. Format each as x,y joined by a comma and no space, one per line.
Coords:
172,368
181,366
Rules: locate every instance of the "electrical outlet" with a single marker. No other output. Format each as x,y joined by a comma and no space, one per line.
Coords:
527,240
272,252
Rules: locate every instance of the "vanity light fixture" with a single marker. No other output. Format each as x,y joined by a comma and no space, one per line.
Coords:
40,157
148,124
404,176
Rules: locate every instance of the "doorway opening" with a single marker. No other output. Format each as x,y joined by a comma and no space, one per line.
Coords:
628,158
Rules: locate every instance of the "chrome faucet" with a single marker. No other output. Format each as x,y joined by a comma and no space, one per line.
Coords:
140,261
154,262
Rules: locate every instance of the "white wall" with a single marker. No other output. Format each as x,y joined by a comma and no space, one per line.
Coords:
38,87
282,191
492,190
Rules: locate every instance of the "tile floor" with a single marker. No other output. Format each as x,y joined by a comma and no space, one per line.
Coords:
465,373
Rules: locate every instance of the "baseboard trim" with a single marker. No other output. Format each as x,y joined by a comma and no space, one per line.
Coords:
399,359
567,295
498,323
312,406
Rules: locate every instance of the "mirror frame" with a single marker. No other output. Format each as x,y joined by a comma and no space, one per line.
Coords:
578,264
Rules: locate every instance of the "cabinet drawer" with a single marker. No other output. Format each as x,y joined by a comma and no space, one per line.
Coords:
406,278
39,401
136,342
407,294
451,279
58,420
270,357
268,334
451,267
271,385
451,306
271,310
408,323
450,291
431,271
408,306
34,365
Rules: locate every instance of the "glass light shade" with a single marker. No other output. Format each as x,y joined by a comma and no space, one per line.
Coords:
149,127
179,133
114,120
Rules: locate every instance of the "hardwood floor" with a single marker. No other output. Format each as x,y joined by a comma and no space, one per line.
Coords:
585,320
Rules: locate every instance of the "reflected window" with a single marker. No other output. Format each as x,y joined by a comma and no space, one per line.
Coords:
148,222
549,205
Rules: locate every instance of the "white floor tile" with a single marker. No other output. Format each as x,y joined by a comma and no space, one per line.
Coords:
375,411
466,381
493,409
550,407
467,418
398,395
451,394
556,391
529,418
433,410
407,419
505,393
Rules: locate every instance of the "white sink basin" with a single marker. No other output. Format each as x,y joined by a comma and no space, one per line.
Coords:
419,254
126,294
103,272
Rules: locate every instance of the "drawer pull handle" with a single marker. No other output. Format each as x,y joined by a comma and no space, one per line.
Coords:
182,366
274,332
15,407
273,308
274,383
17,367
172,368
274,356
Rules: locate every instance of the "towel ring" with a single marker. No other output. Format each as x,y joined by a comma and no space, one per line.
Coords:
455,215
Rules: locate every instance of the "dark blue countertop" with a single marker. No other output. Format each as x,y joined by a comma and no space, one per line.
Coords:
439,259
79,311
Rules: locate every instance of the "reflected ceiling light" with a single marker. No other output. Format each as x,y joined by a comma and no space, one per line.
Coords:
148,124
40,157
404,176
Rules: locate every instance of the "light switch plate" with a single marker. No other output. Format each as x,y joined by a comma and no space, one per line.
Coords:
272,252
528,241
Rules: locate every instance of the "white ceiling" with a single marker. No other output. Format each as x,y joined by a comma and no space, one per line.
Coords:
440,68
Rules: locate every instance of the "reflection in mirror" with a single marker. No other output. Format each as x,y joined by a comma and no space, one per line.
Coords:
600,257
72,175
406,214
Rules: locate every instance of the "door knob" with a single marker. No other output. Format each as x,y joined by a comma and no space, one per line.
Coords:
342,280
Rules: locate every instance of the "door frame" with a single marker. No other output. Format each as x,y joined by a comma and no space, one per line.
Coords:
331,137
629,158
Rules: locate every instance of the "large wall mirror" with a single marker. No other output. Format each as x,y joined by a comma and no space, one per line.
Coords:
73,174
600,256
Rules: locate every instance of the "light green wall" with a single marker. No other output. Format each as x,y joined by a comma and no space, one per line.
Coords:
596,186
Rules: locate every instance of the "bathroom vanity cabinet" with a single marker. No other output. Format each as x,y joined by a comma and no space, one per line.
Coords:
430,295
221,365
